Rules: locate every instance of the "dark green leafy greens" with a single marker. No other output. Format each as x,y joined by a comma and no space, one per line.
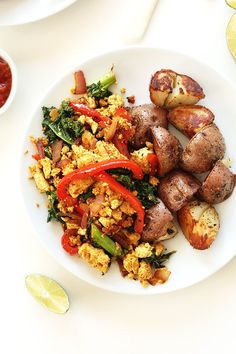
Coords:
53,210
158,261
84,196
47,151
64,126
147,193
101,88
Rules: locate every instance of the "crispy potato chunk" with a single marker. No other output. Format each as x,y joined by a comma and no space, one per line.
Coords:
167,148
190,119
170,89
200,224
203,150
161,85
218,185
160,276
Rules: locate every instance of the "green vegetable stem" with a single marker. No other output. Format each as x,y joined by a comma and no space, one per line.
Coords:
100,89
101,240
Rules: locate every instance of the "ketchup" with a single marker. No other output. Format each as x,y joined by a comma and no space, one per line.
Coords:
5,81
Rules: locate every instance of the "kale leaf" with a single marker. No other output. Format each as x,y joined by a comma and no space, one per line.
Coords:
65,126
84,196
53,209
147,193
158,261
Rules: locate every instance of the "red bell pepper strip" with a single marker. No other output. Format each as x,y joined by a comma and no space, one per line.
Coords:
121,143
70,201
153,160
93,169
85,110
127,195
121,112
36,157
79,209
66,244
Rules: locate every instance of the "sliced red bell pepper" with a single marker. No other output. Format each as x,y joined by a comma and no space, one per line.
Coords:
153,160
121,143
127,195
79,209
93,169
85,110
121,112
70,201
36,157
66,244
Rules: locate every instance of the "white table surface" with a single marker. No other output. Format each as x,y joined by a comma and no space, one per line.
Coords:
197,320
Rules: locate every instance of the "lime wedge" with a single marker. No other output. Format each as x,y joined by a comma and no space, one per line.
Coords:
231,3
48,292
231,35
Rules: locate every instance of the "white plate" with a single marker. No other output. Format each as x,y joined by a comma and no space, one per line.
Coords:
17,12
134,67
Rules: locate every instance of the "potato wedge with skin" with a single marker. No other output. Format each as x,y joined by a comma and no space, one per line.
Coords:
177,189
157,220
218,185
200,224
161,85
190,119
203,150
186,91
167,148
170,232
144,117
170,89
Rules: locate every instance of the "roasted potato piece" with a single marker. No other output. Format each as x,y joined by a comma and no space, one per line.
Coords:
170,89
161,85
200,224
218,185
170,232
167,148
203,150
186,91
177,189
190,119
157,219
160,276
143,118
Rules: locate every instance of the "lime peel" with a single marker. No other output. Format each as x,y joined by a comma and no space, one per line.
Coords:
231,35
47,292
231,3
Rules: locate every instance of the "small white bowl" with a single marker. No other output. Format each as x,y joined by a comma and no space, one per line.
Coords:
12,66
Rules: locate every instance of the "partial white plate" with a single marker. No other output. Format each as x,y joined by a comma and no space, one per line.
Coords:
17,12
134,67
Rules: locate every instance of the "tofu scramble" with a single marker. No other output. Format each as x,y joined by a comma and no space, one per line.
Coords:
97,185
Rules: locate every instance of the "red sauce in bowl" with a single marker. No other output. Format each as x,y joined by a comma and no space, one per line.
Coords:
5,81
